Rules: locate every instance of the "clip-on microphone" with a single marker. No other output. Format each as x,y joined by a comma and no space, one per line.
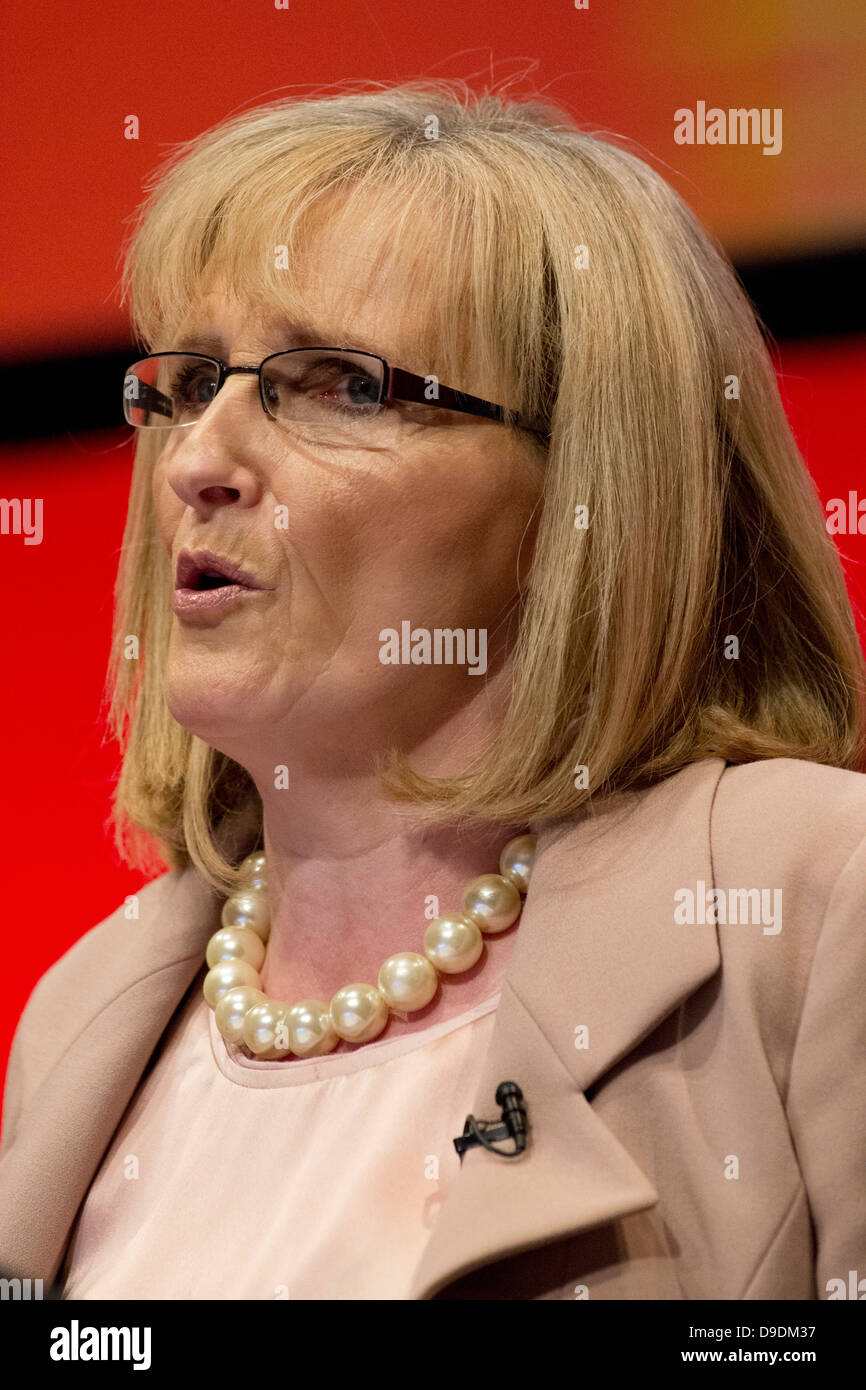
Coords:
512,1126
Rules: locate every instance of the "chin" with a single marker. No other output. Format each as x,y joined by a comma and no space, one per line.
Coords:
212,714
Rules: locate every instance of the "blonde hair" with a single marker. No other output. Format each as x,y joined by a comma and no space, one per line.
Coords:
703,521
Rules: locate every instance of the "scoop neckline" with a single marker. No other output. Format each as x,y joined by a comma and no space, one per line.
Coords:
234,1064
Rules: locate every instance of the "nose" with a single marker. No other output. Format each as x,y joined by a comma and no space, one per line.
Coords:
215,463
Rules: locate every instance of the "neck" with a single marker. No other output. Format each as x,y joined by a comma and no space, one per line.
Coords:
351,883
351,880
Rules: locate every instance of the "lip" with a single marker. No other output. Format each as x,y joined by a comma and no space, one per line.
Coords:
189,601
191,563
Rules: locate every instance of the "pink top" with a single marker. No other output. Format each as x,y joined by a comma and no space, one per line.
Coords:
233,1178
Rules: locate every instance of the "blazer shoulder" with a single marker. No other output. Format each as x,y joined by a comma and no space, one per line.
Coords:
104,956
796,832
105,946
790,811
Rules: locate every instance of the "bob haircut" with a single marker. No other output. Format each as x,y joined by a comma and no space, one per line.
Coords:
705,532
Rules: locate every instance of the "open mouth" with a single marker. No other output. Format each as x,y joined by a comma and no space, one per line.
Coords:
198,571
210,579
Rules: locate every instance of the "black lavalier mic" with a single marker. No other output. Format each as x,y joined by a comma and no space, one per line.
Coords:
513,1124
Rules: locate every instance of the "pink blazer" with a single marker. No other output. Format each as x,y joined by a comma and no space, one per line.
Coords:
696,1089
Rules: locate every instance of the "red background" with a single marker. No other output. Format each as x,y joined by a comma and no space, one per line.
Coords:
72,183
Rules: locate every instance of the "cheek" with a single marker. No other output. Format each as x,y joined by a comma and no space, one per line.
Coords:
470,515
442,494
442,532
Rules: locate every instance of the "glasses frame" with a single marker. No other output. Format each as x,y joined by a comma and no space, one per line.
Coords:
397,386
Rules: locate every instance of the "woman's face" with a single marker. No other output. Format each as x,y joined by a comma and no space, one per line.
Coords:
429,522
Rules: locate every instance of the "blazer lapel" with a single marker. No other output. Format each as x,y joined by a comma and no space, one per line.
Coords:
598,964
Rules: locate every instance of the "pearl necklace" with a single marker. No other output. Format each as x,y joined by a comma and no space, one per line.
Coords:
271,1028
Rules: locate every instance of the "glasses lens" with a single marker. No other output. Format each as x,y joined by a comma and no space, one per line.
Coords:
333,393
171,388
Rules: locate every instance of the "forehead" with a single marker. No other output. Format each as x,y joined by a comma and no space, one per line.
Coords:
343,292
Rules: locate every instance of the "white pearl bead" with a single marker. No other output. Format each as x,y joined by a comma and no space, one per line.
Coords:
358,1012
266,1029
453,943
253,872
407,981
311,1032
248,909
228,975
493,902
232,1008
236,943
517,861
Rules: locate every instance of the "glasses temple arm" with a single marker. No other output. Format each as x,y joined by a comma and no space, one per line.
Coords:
406,386
148,397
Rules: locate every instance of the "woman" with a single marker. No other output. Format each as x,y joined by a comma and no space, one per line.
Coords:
386,649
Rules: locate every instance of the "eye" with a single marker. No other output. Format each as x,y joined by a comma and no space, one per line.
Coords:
360,390
194,384
325,385
334,386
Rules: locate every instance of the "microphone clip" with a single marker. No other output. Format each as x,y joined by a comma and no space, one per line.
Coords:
513,1125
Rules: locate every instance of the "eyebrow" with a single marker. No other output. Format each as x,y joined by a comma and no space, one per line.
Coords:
294,334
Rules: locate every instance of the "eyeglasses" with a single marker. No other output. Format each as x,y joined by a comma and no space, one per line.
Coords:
335,392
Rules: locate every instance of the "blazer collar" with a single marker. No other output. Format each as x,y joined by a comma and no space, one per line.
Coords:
597,950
